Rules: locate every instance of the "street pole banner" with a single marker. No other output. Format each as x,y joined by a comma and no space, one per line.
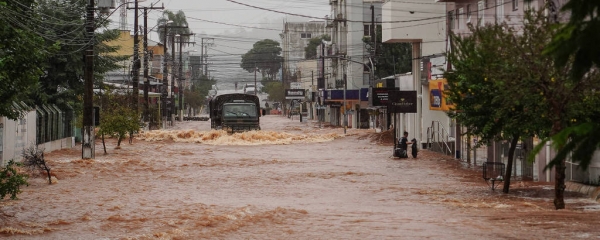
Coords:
294,94
402,102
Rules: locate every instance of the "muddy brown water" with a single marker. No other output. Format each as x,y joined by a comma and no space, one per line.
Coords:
290,180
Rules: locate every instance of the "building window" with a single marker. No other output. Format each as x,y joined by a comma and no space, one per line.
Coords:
515,4
459,16
451,19
499,11
367,29
305,35
480,11
468,13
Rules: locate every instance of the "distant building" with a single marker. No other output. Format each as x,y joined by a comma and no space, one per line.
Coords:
295,38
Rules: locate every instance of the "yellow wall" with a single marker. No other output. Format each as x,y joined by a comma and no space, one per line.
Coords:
125,42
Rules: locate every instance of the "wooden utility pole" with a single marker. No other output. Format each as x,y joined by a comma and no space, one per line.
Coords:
146,59
136,61
88,143
181,79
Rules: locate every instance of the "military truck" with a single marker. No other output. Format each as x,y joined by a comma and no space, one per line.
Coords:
235,112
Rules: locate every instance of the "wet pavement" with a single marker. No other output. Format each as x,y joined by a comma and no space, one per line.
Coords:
290,180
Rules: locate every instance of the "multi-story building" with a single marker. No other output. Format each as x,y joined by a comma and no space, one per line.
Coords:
350,25
427,27
295,38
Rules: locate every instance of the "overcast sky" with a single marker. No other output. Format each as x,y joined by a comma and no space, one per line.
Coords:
234,27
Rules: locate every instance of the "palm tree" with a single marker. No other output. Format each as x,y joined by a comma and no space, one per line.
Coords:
178,24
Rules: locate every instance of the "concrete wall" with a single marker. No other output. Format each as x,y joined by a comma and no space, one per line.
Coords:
15,136
405,21
308,73
21,134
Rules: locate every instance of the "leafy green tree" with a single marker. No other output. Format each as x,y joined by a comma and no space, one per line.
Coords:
310,51
63,70
117,119
576,41
264,56
531,94
179,26
390,58
486,85
275,90
22,54
196,95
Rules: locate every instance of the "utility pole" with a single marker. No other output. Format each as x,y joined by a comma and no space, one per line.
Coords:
172,97
181,88
204,53
165,90
322,83
136,61
165,81
345,107
88,142
146,59
255,86
146,80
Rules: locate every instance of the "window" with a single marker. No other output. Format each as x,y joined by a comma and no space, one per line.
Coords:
468,13
499,11
515,4
305,35
480,11
451,19
367,30
532,5
459,15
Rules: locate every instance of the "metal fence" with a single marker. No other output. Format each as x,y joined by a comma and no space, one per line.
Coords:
477,154
53,123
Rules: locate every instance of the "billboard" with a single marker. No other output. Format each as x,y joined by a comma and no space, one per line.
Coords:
437,98
402,102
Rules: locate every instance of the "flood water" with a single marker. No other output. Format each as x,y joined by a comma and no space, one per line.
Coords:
290,180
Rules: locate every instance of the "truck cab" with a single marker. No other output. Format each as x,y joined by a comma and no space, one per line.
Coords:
235,112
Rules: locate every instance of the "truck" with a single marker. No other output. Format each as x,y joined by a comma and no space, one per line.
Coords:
235,112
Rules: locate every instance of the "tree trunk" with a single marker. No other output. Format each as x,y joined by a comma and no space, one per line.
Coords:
468,149
509,165
48,172
559,183
103,143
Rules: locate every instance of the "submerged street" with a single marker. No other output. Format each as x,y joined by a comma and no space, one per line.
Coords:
290,180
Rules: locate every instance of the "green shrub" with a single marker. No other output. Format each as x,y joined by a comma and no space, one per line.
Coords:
11,181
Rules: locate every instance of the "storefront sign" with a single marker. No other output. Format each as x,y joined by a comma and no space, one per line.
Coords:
381,96
402,102
437,98
294,94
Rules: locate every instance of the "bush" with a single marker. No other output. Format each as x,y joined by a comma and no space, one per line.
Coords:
11,181
34,161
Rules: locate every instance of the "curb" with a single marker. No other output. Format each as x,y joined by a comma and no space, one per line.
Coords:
592,191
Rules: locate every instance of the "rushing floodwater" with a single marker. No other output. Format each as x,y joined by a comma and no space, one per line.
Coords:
289,181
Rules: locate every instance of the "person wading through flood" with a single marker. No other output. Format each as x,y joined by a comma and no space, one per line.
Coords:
403,143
